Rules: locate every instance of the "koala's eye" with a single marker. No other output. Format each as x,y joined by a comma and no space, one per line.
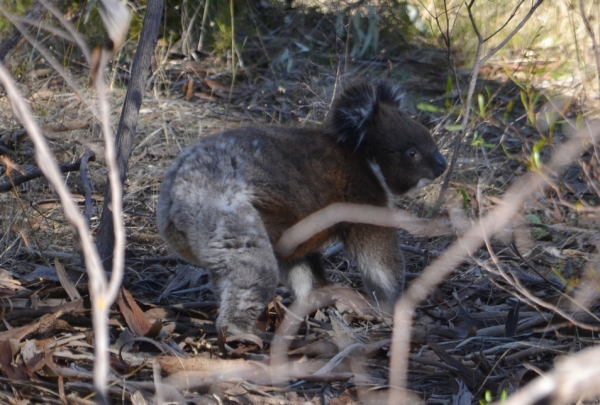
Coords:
412,153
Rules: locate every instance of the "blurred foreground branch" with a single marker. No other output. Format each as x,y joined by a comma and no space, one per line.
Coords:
35,13
574,379
356,213
523,190
103,291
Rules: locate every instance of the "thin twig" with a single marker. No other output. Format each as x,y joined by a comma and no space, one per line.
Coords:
501,45
56,65
472,83
491,224
36,13
592,36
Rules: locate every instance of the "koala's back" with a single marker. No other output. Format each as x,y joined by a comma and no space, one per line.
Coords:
214,189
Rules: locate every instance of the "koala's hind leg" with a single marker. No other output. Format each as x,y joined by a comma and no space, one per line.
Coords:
304,275
377,255
228,238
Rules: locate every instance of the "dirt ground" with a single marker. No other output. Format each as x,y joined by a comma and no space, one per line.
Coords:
500,319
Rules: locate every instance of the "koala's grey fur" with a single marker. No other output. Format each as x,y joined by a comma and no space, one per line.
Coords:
227,199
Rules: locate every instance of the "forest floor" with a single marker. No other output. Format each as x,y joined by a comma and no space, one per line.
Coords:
501,318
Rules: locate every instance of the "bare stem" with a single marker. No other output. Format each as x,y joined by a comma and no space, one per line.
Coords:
590,31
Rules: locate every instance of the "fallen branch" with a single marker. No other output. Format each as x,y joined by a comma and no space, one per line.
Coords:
35,173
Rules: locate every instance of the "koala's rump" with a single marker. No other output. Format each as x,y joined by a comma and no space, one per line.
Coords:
231,188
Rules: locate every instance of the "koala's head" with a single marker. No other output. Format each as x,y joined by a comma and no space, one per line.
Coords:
399,150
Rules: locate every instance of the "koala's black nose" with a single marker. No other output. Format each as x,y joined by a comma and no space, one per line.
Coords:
439,164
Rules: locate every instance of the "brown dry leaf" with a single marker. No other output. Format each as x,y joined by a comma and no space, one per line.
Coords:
8,285
160,314
137,398
13,370
236,390
171,365
224,90
35,358
203,380
65,126
10,166
134,316
250,337
204,96
189,90
41,94
321,347
19,230
66,282
345,399
216,85
45,321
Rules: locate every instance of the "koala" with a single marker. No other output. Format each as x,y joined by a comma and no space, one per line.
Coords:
226,199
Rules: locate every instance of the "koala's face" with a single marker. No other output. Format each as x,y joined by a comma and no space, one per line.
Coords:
400,151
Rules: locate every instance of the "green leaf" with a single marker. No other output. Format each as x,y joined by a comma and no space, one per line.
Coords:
465,198
523,96
429,108
512,78
481,103
507,111
453,127
534,159
447,102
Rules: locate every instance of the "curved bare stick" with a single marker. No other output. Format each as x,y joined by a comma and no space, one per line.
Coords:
116,18
573,379
495,221
299,309
35,13
102,292
47,163
48,166
76,36
355,213
56,65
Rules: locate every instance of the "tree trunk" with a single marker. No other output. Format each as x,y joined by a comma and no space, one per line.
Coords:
127,125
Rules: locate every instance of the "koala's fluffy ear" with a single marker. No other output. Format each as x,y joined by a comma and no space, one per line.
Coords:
356,106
